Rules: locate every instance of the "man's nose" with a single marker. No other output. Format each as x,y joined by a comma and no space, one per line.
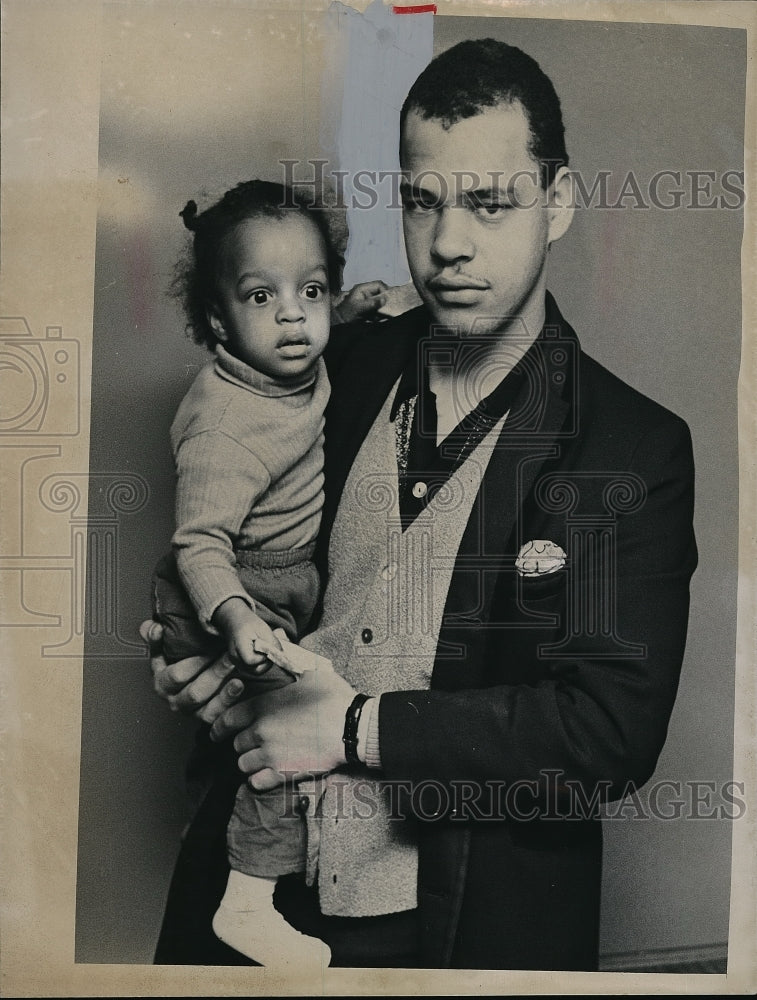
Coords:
452,237
290,309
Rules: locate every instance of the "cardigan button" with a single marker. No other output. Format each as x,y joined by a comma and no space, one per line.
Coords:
302,804
367,635
389,571
420,490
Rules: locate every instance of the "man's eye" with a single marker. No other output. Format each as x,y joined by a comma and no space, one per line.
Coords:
259,296
420,201
314,292
489,208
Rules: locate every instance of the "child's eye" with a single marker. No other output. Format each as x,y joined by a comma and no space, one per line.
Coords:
259,296
313,291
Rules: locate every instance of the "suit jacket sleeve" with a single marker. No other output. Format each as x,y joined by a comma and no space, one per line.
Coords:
593,719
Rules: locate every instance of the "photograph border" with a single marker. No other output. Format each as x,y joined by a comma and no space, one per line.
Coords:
51,54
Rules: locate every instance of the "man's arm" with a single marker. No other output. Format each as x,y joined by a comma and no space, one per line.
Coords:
593,719
201,687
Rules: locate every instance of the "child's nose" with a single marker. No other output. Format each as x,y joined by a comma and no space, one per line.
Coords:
290,310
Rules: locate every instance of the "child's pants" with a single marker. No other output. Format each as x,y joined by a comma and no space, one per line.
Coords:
266,835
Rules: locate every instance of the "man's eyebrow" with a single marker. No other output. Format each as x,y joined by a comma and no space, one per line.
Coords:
480,193
406,185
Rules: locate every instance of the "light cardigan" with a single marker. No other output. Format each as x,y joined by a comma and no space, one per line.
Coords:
382,614
249,464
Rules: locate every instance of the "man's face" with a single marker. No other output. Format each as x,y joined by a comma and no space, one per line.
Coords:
477,222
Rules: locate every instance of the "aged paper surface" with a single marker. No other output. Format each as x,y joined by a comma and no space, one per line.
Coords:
81,80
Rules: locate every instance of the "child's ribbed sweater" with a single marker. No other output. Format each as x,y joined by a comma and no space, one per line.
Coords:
249,463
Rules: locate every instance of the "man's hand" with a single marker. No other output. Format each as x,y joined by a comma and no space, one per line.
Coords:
361,302
197,685
289,733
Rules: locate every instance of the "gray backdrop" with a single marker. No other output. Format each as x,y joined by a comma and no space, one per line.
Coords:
196,98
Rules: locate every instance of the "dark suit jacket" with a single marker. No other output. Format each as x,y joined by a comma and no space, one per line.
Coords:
558,687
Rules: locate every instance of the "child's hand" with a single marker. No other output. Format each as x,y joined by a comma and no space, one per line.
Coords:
241,627
360,302
242,644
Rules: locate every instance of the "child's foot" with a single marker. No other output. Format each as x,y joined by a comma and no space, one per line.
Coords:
247,921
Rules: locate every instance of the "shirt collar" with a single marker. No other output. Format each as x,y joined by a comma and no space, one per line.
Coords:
234,370
414,380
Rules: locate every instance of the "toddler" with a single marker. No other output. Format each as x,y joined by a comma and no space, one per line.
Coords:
247,440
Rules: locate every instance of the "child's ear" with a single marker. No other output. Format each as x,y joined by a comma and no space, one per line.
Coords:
216,322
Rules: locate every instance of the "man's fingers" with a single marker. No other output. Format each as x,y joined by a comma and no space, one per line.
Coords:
233,720
203,686
171,679
265,780
151,632
373,288
262,778
226,697
251,761
246,738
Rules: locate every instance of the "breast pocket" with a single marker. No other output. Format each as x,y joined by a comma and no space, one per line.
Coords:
540,600
530,589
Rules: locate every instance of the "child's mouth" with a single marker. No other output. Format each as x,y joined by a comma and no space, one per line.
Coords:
293,347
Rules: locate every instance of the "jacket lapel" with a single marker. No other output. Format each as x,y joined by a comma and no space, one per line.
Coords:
367,361
542,417
363,369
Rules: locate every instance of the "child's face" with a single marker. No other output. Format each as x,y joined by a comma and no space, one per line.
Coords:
273,309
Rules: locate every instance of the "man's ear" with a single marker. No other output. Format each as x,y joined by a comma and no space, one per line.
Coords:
561,204
215,320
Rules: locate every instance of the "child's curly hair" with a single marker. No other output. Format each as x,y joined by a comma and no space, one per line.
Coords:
197,271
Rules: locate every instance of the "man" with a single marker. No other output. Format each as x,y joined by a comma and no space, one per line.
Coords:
508,535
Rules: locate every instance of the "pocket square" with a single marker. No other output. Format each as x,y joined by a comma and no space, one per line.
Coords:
539,558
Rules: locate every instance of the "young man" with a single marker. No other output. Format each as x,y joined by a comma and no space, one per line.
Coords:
514,603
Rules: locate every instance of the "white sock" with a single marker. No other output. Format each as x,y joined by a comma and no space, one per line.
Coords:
247,921
247,892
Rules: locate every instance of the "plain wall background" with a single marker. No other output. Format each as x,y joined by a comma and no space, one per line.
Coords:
199,97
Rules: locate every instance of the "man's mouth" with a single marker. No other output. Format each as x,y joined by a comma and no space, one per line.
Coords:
457,289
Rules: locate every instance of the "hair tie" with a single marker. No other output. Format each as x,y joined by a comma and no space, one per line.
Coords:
189,215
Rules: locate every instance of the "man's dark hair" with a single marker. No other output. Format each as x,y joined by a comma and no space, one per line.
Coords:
475,75
197,271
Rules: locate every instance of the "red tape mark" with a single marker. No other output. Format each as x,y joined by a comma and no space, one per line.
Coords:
421,8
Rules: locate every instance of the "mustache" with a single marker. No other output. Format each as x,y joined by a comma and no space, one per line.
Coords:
455,282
